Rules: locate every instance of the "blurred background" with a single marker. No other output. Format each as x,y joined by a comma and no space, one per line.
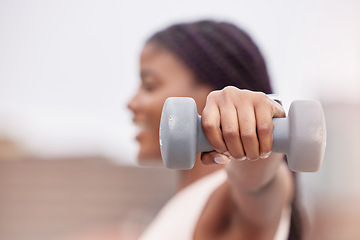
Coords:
67,69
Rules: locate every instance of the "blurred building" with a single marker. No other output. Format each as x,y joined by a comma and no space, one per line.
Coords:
57,199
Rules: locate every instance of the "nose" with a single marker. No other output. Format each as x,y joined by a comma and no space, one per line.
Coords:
133,103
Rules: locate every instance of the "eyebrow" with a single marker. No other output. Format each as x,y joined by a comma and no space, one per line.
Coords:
145,73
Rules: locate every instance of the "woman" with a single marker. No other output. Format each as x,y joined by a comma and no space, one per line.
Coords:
241,190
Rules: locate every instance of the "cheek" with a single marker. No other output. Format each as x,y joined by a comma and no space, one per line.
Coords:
154,111
153,108
152,104
149,145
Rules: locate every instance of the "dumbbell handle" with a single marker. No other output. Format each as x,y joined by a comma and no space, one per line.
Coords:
280,136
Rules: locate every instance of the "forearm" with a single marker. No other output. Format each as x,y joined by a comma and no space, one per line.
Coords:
251,176
260,189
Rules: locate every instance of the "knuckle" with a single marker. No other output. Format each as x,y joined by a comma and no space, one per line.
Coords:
213,95
265,128
261,98
262,95
229,89
226,94
208,125
230,132
248,134
229,92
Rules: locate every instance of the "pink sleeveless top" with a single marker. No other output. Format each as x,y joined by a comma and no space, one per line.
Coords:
178,218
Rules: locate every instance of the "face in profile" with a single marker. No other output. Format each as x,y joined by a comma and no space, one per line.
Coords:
162,75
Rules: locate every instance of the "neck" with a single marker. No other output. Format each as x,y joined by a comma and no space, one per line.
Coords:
187,177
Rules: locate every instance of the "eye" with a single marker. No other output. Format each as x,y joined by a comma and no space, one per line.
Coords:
148,86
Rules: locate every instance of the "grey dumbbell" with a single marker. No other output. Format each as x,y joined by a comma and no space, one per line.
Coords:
301,136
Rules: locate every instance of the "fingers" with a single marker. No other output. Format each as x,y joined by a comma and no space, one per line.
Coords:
210,122
220,125
231,132
278,111
238,124
264,129
247,126
264,112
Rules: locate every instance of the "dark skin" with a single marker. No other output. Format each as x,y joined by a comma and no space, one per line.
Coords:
238,124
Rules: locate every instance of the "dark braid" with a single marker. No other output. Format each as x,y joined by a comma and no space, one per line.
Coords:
221,54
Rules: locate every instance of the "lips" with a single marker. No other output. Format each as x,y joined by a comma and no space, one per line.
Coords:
141,128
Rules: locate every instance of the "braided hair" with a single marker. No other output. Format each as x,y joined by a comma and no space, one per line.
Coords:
221,54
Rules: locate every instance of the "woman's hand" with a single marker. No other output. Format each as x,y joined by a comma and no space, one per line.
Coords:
238,124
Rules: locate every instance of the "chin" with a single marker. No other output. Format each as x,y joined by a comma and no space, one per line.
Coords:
150,160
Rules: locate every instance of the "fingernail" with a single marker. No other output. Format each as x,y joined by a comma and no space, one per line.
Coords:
265,155
242,159
238,159
253,160
227,154
221,159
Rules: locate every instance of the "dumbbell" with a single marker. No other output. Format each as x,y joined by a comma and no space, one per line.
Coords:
301,135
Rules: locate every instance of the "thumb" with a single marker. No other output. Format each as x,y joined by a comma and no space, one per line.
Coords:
214,157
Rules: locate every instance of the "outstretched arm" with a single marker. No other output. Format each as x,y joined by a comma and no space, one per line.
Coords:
238,124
